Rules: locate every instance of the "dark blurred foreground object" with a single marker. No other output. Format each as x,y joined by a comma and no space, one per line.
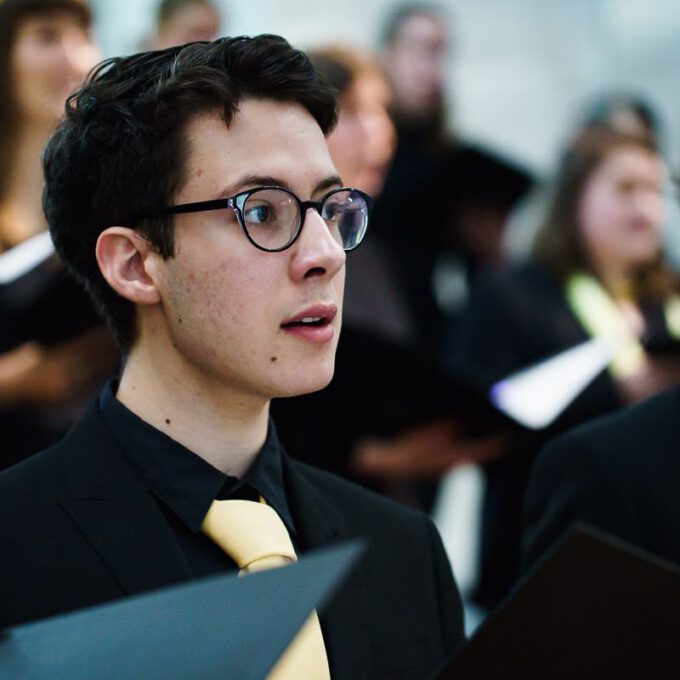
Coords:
595,608
219,627
620,473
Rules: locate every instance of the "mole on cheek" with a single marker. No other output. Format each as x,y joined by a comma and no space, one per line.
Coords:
273,359
167,421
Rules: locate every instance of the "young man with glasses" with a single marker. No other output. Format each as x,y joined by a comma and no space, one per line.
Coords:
192,192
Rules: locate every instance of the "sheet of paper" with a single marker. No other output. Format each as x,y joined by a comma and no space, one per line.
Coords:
536,396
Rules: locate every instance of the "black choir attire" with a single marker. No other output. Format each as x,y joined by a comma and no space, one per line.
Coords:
47,306
115,509
184,485
434,189
620,473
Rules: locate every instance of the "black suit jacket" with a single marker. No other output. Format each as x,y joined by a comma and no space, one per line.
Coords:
620,473
77,528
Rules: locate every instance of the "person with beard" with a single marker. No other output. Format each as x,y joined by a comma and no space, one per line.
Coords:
445,202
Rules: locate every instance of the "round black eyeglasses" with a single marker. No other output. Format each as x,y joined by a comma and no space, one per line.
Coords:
272,217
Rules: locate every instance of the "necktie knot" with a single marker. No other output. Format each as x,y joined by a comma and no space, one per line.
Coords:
252,534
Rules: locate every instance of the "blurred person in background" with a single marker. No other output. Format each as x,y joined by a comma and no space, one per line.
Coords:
415,52
445,202
617,472
632,113
416,49
597,270
52,350
183,21
625,112
439,220
363,141
362,146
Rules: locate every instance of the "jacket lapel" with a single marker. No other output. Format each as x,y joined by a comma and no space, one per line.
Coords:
115,512
344,623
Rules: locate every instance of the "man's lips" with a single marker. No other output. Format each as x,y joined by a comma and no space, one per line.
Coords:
318,315
313,324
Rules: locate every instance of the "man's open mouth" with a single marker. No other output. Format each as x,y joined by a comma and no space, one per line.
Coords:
312,317
308,321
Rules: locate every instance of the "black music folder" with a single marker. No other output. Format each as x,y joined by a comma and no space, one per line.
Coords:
219,627
596,607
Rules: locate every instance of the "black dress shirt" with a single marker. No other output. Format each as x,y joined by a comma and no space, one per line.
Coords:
184,485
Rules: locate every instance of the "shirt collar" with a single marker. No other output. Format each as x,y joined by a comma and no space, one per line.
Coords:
182,480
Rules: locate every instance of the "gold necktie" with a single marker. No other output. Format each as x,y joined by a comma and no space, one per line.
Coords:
254,536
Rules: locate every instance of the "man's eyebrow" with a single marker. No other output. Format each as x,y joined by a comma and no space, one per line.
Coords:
328,183
251,181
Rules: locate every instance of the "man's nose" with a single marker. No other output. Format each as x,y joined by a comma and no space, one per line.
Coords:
317,252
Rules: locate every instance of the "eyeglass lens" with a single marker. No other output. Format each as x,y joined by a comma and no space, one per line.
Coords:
346,214
272,217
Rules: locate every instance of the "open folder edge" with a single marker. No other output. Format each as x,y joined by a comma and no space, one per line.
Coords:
563,620
535,396
222,626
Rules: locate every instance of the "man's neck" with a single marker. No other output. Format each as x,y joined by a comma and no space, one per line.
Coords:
215,424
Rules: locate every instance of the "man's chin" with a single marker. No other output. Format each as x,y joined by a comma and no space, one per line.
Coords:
302,387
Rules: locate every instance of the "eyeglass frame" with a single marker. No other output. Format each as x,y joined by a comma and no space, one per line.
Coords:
231,203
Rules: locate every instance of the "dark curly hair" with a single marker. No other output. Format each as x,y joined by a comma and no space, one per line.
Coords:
120,154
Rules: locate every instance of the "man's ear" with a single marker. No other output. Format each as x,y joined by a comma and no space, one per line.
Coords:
122,257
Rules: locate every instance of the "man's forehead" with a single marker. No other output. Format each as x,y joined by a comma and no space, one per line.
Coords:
264,138
251,122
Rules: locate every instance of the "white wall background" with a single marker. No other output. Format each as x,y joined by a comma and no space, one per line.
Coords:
521,70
